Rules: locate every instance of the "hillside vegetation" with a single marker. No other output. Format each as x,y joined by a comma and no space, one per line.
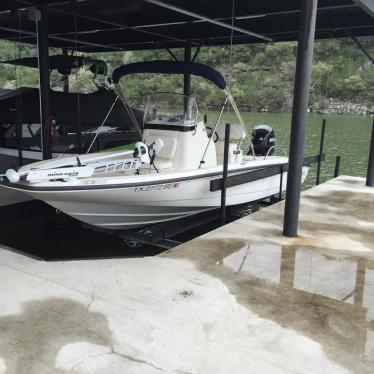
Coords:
261,76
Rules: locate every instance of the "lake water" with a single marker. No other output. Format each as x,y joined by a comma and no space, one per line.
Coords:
346,136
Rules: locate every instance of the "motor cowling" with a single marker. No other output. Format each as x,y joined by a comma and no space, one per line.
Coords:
263,140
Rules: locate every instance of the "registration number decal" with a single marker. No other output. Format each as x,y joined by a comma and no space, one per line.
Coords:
156,187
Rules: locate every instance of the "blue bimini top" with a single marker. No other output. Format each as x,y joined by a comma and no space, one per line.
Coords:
170,67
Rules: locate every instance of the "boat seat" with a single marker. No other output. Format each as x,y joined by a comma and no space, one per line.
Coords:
167,152
233,158
163,164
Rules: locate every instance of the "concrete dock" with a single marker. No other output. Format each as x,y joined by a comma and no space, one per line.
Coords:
240,299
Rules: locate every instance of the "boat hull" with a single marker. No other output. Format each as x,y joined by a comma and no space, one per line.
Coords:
124,208
9,160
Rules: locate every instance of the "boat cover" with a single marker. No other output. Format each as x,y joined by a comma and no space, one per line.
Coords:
66,108
63,64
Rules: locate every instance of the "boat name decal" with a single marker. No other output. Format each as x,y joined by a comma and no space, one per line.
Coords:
156,187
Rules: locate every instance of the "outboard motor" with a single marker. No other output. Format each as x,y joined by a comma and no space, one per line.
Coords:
263,140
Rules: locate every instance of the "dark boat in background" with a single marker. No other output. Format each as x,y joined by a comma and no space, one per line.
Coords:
93,107
76,117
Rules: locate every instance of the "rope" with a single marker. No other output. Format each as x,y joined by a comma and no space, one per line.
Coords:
231,42
231,99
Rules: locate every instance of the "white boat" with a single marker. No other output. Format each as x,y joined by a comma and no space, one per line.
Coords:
167,177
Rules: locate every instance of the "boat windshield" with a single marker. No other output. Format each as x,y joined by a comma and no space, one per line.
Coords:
171,108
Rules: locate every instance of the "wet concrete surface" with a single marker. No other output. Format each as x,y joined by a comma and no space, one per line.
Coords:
25,348
329,299
320,284
240,299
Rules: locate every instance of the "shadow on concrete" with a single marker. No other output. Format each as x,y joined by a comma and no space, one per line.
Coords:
36,230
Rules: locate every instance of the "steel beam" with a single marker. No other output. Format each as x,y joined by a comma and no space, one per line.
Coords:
299,115
207,19
73,42
98,19
44,84
361,46
370,173
245,16
366,5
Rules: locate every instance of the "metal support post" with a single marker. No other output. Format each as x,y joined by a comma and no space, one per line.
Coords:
187,77
17,21
299,115
65,77
281,182
323,130
224,174
370,173
19,129
337,166
43,45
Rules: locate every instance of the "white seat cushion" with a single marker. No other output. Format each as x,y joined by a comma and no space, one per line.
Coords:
233,157
163,164
168,150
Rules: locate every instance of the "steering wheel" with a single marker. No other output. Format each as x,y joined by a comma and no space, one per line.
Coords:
212,134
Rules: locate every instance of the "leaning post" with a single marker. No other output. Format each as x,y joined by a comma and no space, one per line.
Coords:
299,115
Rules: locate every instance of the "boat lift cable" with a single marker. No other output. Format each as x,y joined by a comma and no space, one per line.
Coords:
102,125
227,90
231,43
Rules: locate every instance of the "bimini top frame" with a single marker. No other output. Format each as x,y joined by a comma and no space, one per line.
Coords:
177,67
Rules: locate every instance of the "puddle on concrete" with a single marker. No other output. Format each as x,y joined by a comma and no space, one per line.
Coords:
329,299
31,340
